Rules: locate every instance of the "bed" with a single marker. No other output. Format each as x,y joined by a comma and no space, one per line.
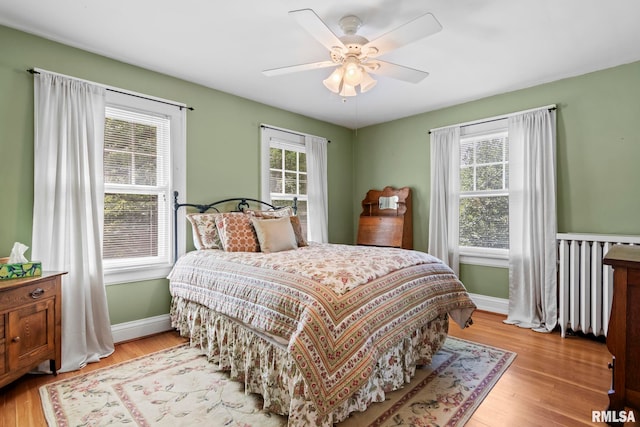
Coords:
319,330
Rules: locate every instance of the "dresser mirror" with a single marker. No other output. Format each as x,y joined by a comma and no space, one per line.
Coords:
390,202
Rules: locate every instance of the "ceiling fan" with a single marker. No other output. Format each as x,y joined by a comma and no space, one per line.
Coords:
354,56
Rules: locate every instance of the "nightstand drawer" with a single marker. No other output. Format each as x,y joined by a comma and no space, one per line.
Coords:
27,294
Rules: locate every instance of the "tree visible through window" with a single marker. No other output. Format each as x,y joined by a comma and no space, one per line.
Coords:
288,178
484,191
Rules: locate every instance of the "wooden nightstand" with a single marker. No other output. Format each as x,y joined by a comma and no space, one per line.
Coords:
30,324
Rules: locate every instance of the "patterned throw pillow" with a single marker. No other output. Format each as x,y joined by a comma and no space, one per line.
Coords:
297,230
205,233
279,213
236,232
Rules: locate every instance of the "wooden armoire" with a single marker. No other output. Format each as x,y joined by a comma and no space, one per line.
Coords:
386,218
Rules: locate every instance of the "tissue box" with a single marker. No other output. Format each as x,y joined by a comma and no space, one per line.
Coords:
16,271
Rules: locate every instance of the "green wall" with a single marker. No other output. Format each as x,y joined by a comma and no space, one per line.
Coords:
598,148
223,148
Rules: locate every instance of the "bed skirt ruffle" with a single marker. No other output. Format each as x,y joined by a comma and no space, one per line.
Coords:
266,368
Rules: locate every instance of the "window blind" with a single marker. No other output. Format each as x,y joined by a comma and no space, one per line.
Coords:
136,178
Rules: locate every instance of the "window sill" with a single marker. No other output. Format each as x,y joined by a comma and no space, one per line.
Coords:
485,257
115,276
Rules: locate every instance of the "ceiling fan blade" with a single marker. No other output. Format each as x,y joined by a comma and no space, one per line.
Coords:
413,30
296,68
399,72
311,22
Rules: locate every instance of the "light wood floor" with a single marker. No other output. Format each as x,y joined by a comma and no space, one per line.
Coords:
552,382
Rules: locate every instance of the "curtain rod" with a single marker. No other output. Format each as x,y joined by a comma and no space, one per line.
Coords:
287,131
495,119
110,89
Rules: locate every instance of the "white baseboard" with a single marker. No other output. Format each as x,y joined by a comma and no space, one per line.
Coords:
491,304
139,328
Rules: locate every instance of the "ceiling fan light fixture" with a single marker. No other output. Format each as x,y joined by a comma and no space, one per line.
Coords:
353,74
334,81
345,78
348,90
367,83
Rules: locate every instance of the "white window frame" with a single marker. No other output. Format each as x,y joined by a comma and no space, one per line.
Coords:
289,147
491,257
127,271
283,139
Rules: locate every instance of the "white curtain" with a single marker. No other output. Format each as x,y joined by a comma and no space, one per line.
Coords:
444,203
532,220
317,190
68,209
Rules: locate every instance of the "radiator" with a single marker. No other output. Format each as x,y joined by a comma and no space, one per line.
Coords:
585,284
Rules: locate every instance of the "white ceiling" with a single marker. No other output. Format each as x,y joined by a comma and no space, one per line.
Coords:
486,47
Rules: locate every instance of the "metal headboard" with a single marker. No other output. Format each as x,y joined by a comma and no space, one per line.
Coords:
242,204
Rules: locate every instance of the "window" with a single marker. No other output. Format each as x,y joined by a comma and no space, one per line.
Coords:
143,152
287,171
484,195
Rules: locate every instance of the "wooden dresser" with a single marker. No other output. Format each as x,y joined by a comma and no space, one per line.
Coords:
623,337
30,324
386,218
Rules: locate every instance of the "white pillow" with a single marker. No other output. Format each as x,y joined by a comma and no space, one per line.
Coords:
274,235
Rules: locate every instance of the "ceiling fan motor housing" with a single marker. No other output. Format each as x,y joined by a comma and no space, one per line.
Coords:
350,24
352,41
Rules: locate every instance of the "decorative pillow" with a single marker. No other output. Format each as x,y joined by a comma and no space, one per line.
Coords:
205,233
297,230
274,234
236,232
279,213
274,213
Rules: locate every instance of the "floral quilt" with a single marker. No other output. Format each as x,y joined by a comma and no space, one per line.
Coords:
339,307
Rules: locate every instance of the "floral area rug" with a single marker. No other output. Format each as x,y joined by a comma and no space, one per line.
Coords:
178,387
443,394
173,387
